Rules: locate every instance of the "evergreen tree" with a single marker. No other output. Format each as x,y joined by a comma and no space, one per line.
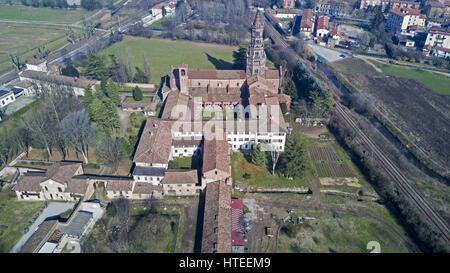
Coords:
240,58
290,89
258,157
293,160
70,71
112,92
96,68
137,94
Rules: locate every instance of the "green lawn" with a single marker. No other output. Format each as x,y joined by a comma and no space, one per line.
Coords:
131,99
14,216
162,53
438,83
23,39
192,162
60,16
242,170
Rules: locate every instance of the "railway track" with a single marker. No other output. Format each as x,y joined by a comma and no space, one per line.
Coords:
417,198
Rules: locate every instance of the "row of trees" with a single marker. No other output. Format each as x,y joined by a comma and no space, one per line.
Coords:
118,70
291,163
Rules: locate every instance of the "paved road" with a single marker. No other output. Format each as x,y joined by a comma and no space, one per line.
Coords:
53,209
18,104
328,55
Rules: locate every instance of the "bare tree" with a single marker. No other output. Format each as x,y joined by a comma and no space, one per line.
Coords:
15,60
147,70
130,66
110,152
275,155
76,129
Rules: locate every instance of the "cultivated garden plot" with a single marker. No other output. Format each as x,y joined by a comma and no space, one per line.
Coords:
328,163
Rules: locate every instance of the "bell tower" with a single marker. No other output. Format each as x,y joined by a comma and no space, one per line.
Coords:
256,57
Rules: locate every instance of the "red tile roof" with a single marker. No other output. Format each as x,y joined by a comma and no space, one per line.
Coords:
155,142
217,235
216,154
322,22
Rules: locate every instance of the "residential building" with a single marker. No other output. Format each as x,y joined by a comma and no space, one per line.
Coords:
307,22
332,7
322,27
437,42
6,97
62,181
37,65
286,13
401,19
372,3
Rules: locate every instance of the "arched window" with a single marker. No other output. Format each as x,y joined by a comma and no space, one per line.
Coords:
183,72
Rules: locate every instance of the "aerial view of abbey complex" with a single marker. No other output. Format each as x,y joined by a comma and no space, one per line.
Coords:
224,126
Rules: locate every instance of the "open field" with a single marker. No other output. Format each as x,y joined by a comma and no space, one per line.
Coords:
419,116
341,224
254,175
59,16
23,39
162,53
14,217
435,82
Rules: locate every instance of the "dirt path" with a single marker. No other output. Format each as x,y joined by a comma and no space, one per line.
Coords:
124,121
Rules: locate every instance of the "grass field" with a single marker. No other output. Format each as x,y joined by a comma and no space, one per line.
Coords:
436,82
14,217
59,16
23,39
162,53
254,175
334,232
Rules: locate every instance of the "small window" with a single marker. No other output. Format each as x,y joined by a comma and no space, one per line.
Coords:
59,189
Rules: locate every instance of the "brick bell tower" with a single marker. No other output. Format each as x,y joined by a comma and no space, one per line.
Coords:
256,57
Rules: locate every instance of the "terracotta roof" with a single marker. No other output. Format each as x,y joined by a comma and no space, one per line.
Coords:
155,142
336,32
438,30
322,22
442,49
151,171
77,185
63,171
307,19
36,61
288,11
216,235
178,99
216,155
39,237
23,84
216,74
30,181
180,176
119,185
405,11
58,79
145,188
